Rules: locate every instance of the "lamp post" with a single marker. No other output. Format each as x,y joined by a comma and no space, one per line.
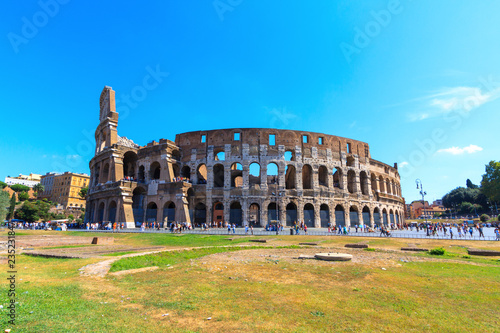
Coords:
423,194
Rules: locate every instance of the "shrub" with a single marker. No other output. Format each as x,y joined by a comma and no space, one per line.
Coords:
439,251
498,218
466,256
484,218
23,196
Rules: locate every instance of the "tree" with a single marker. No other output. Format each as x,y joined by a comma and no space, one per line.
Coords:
2,185
83,192
12,206
470,184
461,195
491,181
34,211
4,205
71,217
38,189
484,218
20,188
23,196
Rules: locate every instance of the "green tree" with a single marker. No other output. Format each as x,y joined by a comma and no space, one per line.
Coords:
12,206
38,189
469,184
83,192
23,196
4,205
20,188
484,218
34,211
71,217
2,185
490,185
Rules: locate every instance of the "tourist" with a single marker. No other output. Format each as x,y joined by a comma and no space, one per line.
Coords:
251,229
246,229
480,229
234,228
228,228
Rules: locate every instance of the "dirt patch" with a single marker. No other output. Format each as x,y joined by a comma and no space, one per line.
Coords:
133,271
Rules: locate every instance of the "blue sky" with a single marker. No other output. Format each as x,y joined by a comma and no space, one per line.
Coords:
418,80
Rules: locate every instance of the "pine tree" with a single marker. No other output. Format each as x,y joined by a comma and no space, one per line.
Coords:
12,206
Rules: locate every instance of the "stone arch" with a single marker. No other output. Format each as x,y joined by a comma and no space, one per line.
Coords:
254,175
339,215
338,179
218,212
176,155
155,171
200,214
112,212
100,212
374,183
291,214
391,217
272,212
105,173
218,175
363,179
201,173
220,155
168,212
381,184
129,164
309,215
141,175
377,217
323,176
236,175
385,219
307,181
388,186
236,213
138,197
351,181
272,173
350,161
254,214
176,170
354,215
151,212
366,215
289,155
290,177
186,172
324,214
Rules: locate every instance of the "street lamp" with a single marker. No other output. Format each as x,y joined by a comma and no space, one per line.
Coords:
423,194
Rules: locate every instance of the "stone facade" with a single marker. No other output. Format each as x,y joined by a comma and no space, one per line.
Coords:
247,175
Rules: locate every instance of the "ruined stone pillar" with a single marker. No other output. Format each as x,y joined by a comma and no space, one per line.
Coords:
317,216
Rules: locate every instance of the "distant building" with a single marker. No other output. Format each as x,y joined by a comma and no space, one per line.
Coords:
27,180
64,189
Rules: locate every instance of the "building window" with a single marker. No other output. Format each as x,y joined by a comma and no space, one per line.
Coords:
237,136
203,138
320,141
272,139
349,148
305,139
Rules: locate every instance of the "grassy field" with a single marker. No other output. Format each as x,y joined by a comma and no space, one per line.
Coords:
242,290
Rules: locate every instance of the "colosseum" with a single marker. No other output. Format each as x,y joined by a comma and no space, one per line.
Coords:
241,176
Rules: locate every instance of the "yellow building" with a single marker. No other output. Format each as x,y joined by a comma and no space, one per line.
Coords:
66,190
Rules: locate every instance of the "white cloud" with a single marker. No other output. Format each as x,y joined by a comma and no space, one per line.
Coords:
470,149
403,164
461,99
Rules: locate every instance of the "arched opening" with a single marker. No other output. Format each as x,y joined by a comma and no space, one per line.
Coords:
100,213
289,155
97,171
138,197
200,214
385,220
324,214
272,212
254,175
176,170
201,174
105,173
254,214
272,174
236,214
151,211
186,172
338,178
339,216
112,212
142,174
397,218
374,183
291,214
354,215
388,186
129,164
176,155
218,175
323,176
220,156
236,175
290,177
381,184
309,215
376,217
351,181
366,215
218,212
350,161
306,177
155,171
168,213
363,178
391,216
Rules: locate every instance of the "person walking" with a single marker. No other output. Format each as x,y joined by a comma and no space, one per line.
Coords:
228,228
480,229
